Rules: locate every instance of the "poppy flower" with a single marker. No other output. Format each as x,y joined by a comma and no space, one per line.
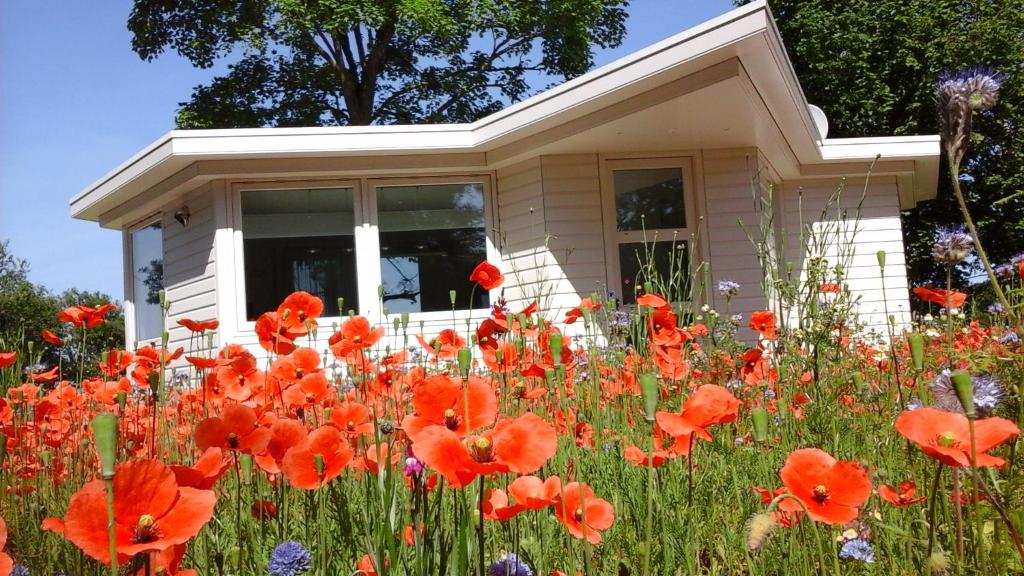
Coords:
487,275
521,445
240,377
47,376
710,404
532,493
940,296
6,563
297,364
445,345
114,362
442,400
284,434
86,316
654,301
199,326
509,357
356,334
832,490
235,429
312,389
583,514
902,497
352,418
764,321
7,359
273,335
576,313
151,512
205,472
318,459
945,436
299,311
52,338
202,363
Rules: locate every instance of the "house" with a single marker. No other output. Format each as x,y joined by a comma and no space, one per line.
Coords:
698,133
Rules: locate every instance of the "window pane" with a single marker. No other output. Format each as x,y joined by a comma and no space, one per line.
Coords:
670,261
431,238
649,199
299,240
147,280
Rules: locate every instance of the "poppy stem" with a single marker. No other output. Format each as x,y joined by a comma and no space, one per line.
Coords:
689,472
650,510
931,508
480,527
109,481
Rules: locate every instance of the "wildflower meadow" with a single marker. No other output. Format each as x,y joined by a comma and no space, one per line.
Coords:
663,438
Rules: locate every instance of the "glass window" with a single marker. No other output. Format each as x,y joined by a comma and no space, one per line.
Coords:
147,280
654,262
431,238
299,240
649,199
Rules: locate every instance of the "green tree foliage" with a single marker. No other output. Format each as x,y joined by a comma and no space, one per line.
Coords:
872,66
359,62
26,309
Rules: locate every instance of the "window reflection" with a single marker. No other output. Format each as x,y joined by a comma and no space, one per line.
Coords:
147,280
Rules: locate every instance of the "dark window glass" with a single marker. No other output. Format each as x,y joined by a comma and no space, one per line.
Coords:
649,198
431,238
147,280
669,258
299,240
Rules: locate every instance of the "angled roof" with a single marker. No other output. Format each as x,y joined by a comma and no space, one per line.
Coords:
741,49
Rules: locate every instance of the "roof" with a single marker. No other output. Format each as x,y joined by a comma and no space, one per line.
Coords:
741,49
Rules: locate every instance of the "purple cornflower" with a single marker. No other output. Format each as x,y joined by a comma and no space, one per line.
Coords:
995,308
509,565
952,245
857,549
728,288
289,559
957,96
987,393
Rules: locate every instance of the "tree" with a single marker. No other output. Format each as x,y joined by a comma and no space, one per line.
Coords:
360,62
872,65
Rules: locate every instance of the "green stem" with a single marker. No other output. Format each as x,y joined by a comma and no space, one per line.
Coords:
931,509
110,525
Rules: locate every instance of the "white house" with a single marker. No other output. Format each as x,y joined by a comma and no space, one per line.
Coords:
240,218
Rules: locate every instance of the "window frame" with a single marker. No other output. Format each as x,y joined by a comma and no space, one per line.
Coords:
131,332
367,240
614,237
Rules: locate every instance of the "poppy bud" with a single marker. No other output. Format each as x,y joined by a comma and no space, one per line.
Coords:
881,259
760,416
964,390
318,460
858,381
397,322
104,427
451,296
549,376
916,341
380,291
555,344
649,389
648,288
122,399
464,358
341,305
405,320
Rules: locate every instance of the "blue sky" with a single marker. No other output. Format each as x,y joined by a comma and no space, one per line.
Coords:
75,102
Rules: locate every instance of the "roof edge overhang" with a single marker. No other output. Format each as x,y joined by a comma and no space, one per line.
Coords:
743,42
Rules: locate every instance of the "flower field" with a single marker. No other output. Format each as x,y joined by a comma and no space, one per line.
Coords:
651,442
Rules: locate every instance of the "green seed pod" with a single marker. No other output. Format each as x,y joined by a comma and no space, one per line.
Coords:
549,377
341,305
760,417
858,381
916,341
881,259
465,357
405,320
104,428
964,390
650,391
122,399
555,343
451,296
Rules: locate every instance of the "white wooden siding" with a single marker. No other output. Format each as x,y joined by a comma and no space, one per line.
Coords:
876,227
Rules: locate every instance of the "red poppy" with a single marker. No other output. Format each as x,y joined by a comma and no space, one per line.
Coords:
199,326
521,445
240,377
312,389
356,334
299,311
263,510
829,288
273,335
235,429
7,358
487,276
445,346
85,315
764,322
902,497
941,297
114,362
151,512
576,313
52,338
832,490
47,376
583,514
532,493
318,459
284,433
654,301
946,437
442,400
352,418
202,363
205,472
710,404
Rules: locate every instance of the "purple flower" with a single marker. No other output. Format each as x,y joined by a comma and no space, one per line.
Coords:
957,96
289,559
952,245
857,549
988,392
509,565
728,288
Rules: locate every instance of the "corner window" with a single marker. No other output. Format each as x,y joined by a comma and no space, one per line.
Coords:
652,222
299,240
431,238
147,265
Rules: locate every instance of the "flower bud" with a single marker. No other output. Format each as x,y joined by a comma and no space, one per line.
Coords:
104,427
881,259
649,389
760,417
916,341
964,388
555,344
465,356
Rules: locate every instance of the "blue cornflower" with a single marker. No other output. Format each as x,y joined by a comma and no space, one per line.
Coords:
728,288
1010,338
289,559
509,565
857,549
20,570
995,308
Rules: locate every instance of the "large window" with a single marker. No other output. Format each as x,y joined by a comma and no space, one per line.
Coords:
147,265
431,238
651,237
410,242
299,240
